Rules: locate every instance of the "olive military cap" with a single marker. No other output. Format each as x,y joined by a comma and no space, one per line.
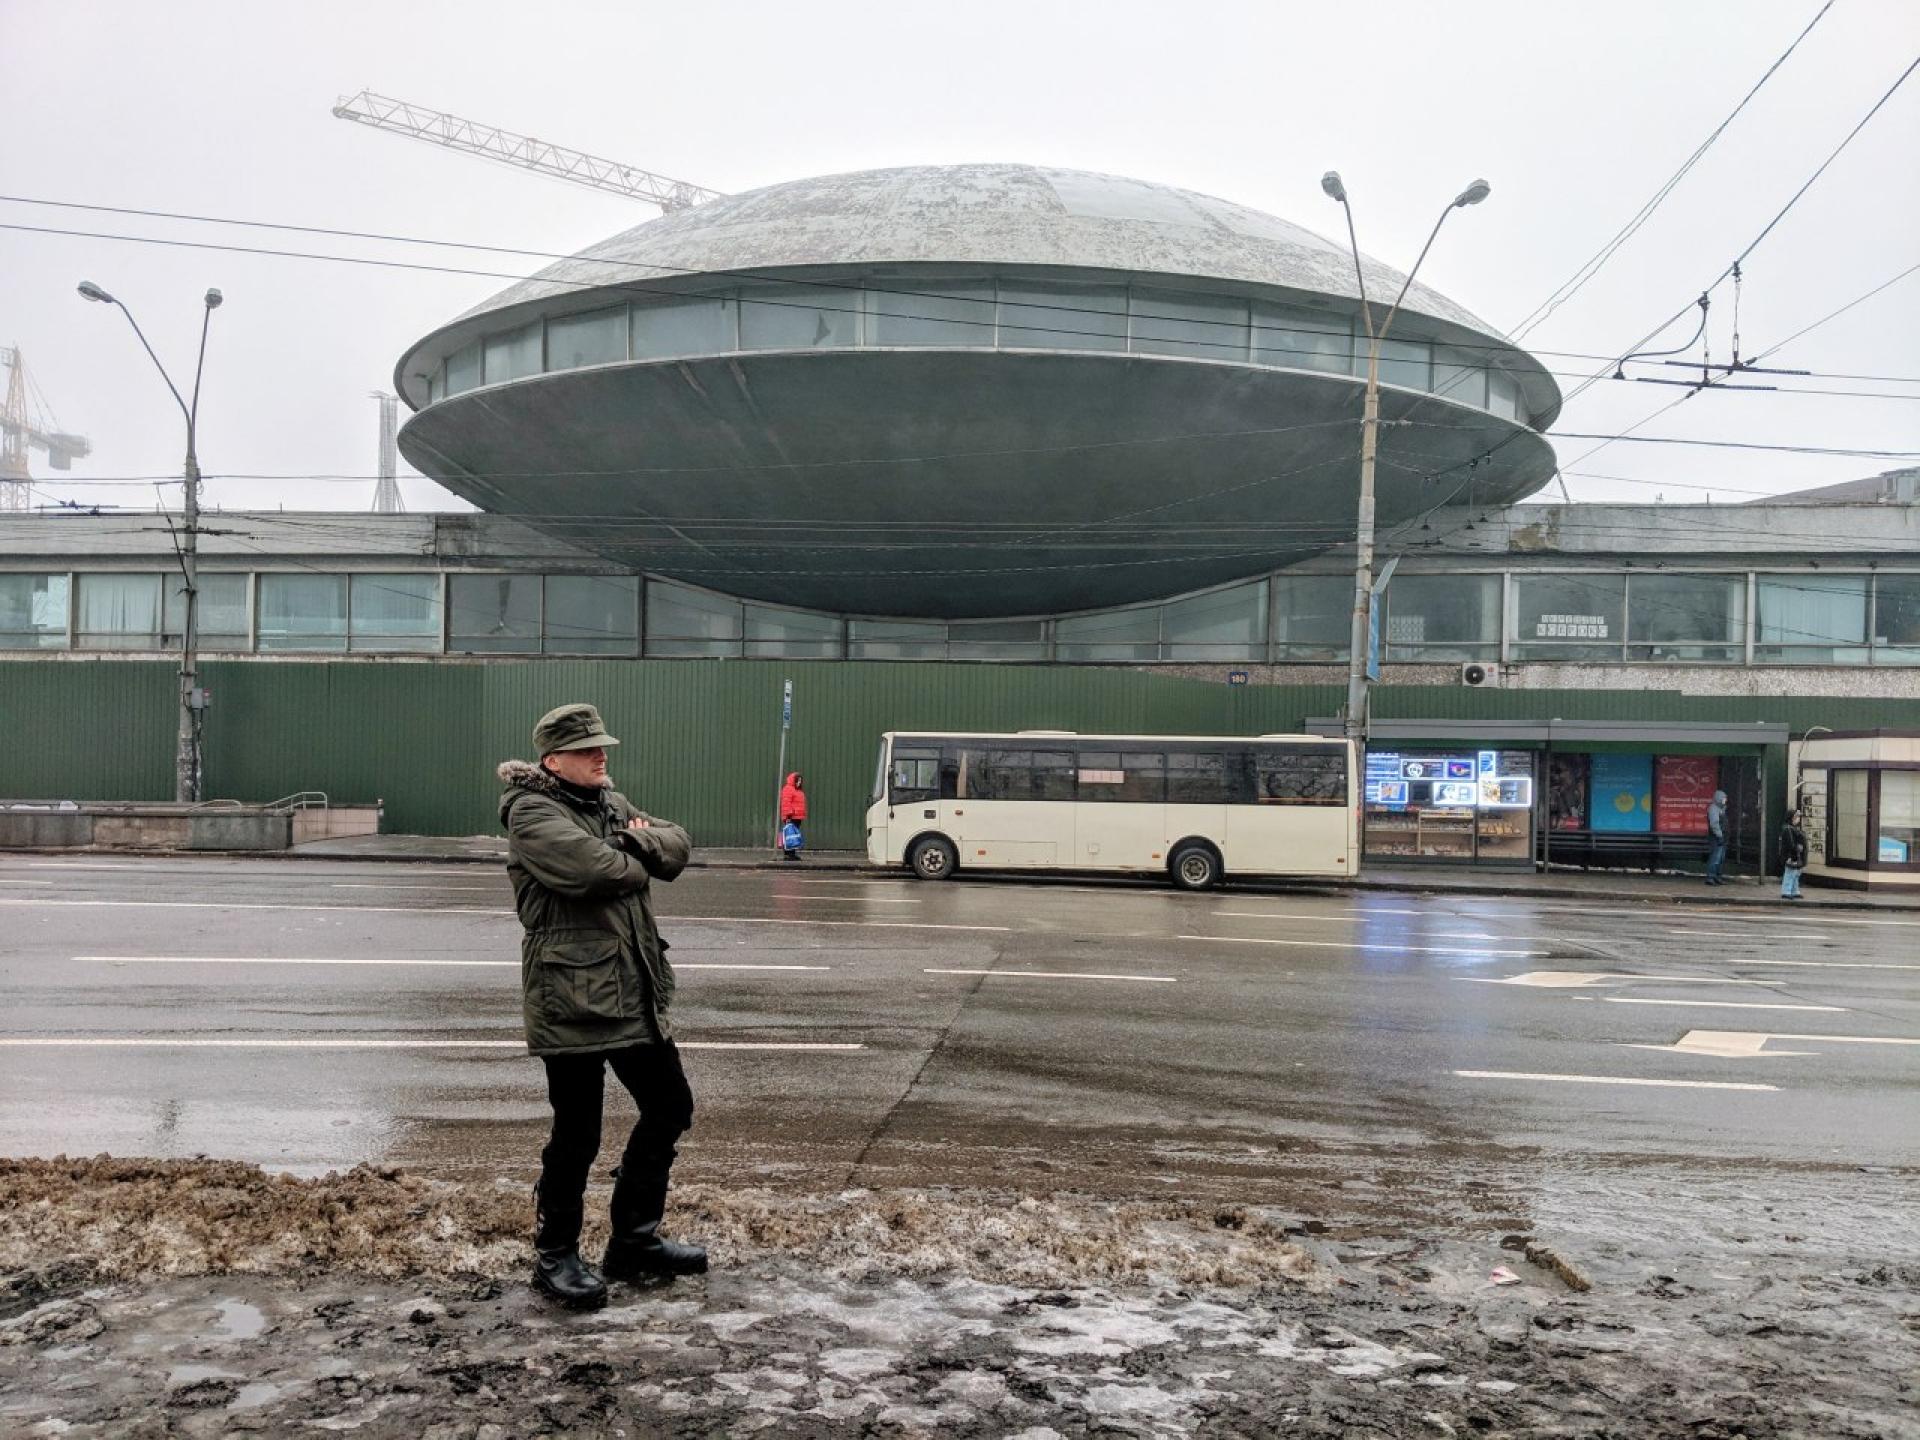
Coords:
570,727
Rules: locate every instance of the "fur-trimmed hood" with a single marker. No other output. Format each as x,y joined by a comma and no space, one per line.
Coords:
526,775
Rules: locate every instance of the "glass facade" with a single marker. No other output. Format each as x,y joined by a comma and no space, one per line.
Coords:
1289,617
984,311
1443,617
1811,619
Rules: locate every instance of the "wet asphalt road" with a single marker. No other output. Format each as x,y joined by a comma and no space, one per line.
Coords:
1114,1035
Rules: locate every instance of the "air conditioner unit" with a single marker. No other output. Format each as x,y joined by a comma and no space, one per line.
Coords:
1479,673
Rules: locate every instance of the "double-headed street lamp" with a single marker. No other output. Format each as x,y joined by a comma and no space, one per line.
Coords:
1356,716
187,769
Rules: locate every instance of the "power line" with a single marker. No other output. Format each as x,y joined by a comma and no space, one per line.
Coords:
1574,283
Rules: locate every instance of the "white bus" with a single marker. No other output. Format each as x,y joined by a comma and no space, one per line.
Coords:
1192,807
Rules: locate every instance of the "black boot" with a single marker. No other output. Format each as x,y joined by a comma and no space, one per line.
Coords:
558,1272
636,1249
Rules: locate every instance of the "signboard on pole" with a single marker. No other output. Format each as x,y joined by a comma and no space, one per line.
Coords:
1375,595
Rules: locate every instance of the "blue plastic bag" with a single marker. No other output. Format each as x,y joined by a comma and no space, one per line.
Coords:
790,836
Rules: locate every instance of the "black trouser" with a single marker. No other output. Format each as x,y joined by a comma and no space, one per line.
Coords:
576,1087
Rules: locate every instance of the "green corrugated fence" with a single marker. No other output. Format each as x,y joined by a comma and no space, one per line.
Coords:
700,737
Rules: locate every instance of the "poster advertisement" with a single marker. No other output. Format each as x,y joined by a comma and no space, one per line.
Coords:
1622,789
1683,787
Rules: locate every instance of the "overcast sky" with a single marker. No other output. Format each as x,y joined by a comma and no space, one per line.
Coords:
1575,112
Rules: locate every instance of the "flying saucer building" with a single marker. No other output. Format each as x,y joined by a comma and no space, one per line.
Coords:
964,392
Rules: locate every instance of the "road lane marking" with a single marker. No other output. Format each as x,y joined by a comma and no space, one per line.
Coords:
394,885
9,880
51,1042
1575,979
1746,934
1056,975
861,924
351,960
1612,1080
1751,1044
1366,945
1718,1004
1744,960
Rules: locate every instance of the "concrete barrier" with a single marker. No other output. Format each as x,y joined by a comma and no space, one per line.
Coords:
40,825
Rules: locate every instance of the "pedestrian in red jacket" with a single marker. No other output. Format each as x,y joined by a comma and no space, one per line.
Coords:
793,811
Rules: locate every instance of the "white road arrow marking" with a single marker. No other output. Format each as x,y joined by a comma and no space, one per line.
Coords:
1575,979
1751,1044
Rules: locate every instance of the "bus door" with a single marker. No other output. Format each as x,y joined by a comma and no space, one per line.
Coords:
1014,805
920,789
1120,822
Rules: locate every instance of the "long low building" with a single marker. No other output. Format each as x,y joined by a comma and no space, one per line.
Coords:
396,657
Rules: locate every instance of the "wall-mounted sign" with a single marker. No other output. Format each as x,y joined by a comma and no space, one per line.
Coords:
1570,627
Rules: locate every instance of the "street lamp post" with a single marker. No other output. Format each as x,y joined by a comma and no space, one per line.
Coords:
1356,715
187,767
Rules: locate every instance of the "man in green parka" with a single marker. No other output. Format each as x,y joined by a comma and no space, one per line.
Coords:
597,986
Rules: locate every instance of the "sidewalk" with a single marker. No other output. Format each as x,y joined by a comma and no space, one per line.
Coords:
1601,885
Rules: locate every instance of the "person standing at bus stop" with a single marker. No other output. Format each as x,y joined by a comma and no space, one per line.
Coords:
596,989
1716,836
793,811
1793,856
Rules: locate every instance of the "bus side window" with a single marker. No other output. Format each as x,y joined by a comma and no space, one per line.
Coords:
1197,777
1300,777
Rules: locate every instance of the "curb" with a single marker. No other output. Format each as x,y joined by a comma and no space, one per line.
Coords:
1760,898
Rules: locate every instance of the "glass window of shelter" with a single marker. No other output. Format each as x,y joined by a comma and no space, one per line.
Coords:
1202,327
799,317
1443,617
907,311
597,337
1569,616
686,325
1302,339
1686,617
592,614
1057,315
1811,619
221,615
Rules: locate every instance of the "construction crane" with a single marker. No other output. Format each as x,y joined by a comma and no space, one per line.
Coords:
383,112
24,423
386,495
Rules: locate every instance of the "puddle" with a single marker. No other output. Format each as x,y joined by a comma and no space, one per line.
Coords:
256,1394
238,1320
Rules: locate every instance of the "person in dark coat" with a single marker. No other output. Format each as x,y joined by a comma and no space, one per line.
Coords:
793,811
1793,856
596,988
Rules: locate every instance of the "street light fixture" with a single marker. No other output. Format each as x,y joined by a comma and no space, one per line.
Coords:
187,759
1336,190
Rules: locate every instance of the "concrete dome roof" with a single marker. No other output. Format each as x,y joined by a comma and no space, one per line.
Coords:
980,214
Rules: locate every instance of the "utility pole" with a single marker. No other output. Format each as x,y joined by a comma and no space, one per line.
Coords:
188,770
1363,586
386,494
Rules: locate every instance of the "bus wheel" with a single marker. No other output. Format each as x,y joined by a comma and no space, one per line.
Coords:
1195,867
932,858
